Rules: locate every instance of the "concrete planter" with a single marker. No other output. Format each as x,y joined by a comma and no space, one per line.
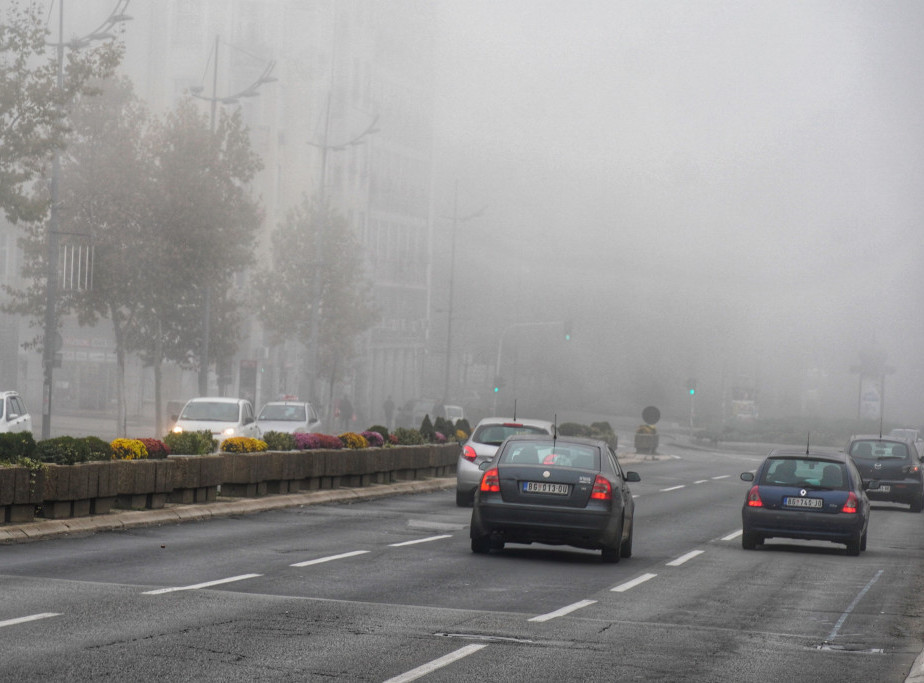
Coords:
21,489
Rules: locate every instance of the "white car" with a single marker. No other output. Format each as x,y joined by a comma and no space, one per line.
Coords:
289,417
13,414
222,416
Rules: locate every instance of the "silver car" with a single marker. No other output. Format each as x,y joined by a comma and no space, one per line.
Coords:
481,446
13,414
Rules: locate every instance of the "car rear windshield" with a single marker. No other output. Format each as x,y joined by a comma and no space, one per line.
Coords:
805,472
560,455
494,435
283,413
878,450
204,410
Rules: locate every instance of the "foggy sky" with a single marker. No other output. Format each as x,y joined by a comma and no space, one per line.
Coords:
716,186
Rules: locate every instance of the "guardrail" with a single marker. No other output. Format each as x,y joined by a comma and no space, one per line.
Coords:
95,488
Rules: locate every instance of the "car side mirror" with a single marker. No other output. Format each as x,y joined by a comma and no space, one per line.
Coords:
633,476
747,476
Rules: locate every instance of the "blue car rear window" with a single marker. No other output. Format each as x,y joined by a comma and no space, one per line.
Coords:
804,472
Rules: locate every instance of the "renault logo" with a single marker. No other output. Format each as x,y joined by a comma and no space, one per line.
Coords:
802,492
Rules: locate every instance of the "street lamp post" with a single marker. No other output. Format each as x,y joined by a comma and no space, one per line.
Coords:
452,272
314,326
214,101
50,339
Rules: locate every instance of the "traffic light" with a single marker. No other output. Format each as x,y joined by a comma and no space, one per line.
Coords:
567,329
691,386
498,383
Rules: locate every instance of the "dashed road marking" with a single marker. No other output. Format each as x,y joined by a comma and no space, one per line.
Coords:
733,535
31,617
430,667
685,558
623,587
674,488
563,611
329,558
419,540
197,586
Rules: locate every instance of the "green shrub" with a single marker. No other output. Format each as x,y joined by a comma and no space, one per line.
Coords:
16,445
574,429
464,426
191,443
408,437
99,449
63,450
279,441
426,428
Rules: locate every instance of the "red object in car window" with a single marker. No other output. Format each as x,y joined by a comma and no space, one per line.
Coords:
549,459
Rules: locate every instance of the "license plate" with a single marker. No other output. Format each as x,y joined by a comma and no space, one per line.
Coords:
803,502
883,488
546,487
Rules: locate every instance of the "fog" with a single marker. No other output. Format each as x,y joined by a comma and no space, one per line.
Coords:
710,190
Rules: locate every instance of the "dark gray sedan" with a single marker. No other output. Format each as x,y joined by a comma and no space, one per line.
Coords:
557,491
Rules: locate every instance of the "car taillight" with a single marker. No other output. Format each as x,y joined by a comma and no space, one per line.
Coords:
913,470
490,482
469,453
850,507
602,489
754,500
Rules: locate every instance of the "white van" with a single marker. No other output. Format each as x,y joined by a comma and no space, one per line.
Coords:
13,414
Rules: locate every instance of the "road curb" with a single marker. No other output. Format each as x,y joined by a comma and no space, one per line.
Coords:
175,514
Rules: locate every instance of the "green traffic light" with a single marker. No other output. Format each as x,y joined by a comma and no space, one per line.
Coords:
496,389
692,392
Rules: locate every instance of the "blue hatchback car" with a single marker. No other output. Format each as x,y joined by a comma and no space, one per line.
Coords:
815,496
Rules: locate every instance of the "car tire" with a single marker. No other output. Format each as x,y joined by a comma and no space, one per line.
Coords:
481,545
465,500
853,545
612,553
863,541
626,549
918,503
749,540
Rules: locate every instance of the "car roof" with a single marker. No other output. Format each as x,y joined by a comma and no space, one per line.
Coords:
877,437
548,438
509,420
215,399
800,453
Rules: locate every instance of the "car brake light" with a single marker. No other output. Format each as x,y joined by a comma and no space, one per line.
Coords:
469,453
754,500
490,482
602,489
850,507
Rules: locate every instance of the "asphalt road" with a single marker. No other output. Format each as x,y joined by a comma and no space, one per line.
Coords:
388,589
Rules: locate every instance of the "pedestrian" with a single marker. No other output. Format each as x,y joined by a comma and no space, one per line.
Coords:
389,412
346,413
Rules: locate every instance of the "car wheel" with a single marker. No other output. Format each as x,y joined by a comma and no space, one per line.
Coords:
612,553
626,550
465,500
853,545
749,540
863,541
918,504
481,545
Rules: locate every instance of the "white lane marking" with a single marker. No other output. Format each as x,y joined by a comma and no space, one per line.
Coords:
674,488
563,611
623,587
197,586
329,558
733,535
684,558
420,540
429,667
723,476
701,481
850,608
31,617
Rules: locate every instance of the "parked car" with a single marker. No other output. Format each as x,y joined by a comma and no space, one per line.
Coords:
291,417
13,414
222,416
557,491
895,463
481,447
808,495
